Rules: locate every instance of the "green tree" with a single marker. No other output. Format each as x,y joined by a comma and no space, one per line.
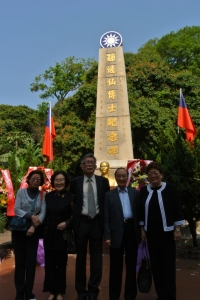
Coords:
181,49
42,111
19,162
32,157
153,90
65,77
75,124
15,172
181,168
17,125
17,118
39,130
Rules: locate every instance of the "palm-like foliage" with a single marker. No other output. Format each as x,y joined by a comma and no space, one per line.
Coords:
3,221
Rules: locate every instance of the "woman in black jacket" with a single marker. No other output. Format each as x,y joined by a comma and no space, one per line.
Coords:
160,218
59,213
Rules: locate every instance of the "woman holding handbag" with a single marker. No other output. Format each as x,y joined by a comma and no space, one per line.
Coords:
160,218
29,208
59,213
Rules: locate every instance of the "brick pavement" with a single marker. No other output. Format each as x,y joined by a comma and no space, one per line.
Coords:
188,280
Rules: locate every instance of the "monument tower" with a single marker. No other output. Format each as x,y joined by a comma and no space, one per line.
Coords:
113,139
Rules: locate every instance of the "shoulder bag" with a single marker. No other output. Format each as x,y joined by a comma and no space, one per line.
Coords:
21,223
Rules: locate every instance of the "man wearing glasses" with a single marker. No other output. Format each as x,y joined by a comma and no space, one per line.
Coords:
122,234
88,224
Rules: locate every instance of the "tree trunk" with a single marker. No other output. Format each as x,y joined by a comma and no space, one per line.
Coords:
192,226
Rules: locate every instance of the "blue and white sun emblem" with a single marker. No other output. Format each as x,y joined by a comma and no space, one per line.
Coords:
111,39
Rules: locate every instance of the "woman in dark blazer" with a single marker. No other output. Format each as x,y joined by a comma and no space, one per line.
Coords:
59,213
160,218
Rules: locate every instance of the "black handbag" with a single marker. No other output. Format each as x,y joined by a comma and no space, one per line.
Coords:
21,223
69,237
144,279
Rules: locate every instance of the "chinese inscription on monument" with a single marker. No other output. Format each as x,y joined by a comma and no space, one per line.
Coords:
113,139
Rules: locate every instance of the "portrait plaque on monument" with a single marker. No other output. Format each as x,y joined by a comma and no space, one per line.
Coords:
113,139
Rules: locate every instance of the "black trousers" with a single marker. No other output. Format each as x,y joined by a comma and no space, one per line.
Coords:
55,271
162,253
130,246
89,231
25,249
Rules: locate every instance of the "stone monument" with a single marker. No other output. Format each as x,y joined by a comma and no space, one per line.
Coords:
113,139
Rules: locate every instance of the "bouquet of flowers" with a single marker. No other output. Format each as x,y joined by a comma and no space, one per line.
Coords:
3,193
138,177
46,187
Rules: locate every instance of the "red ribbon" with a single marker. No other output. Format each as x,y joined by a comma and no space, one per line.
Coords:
48,173
10,195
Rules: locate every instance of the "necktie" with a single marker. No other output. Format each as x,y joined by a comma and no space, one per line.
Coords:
91,201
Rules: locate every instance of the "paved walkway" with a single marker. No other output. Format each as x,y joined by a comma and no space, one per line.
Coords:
188,279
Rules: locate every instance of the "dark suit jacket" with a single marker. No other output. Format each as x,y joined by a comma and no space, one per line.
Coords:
76,187
114,219
58,209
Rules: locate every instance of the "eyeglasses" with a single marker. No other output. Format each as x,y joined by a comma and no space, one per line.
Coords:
35,179
59,180
87,163
121,176
153,173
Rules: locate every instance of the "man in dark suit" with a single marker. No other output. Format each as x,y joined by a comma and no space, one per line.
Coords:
121,232
88,225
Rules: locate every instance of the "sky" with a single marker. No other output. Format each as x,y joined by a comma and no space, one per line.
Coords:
35,34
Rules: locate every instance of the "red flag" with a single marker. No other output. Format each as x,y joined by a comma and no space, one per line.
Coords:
49,136
185,120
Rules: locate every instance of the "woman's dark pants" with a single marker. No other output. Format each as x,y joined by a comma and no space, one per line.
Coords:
25,250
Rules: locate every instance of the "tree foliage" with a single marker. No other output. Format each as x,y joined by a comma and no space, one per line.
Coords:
182,168
65,77
17,125
181,49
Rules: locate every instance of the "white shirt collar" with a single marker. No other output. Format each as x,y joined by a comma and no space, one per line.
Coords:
125,190
86,178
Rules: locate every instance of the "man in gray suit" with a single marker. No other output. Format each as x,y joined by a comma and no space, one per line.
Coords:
121,232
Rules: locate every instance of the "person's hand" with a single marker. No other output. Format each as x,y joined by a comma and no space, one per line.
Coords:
108,242
177,236
143,235
62,226
30,231
35,220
